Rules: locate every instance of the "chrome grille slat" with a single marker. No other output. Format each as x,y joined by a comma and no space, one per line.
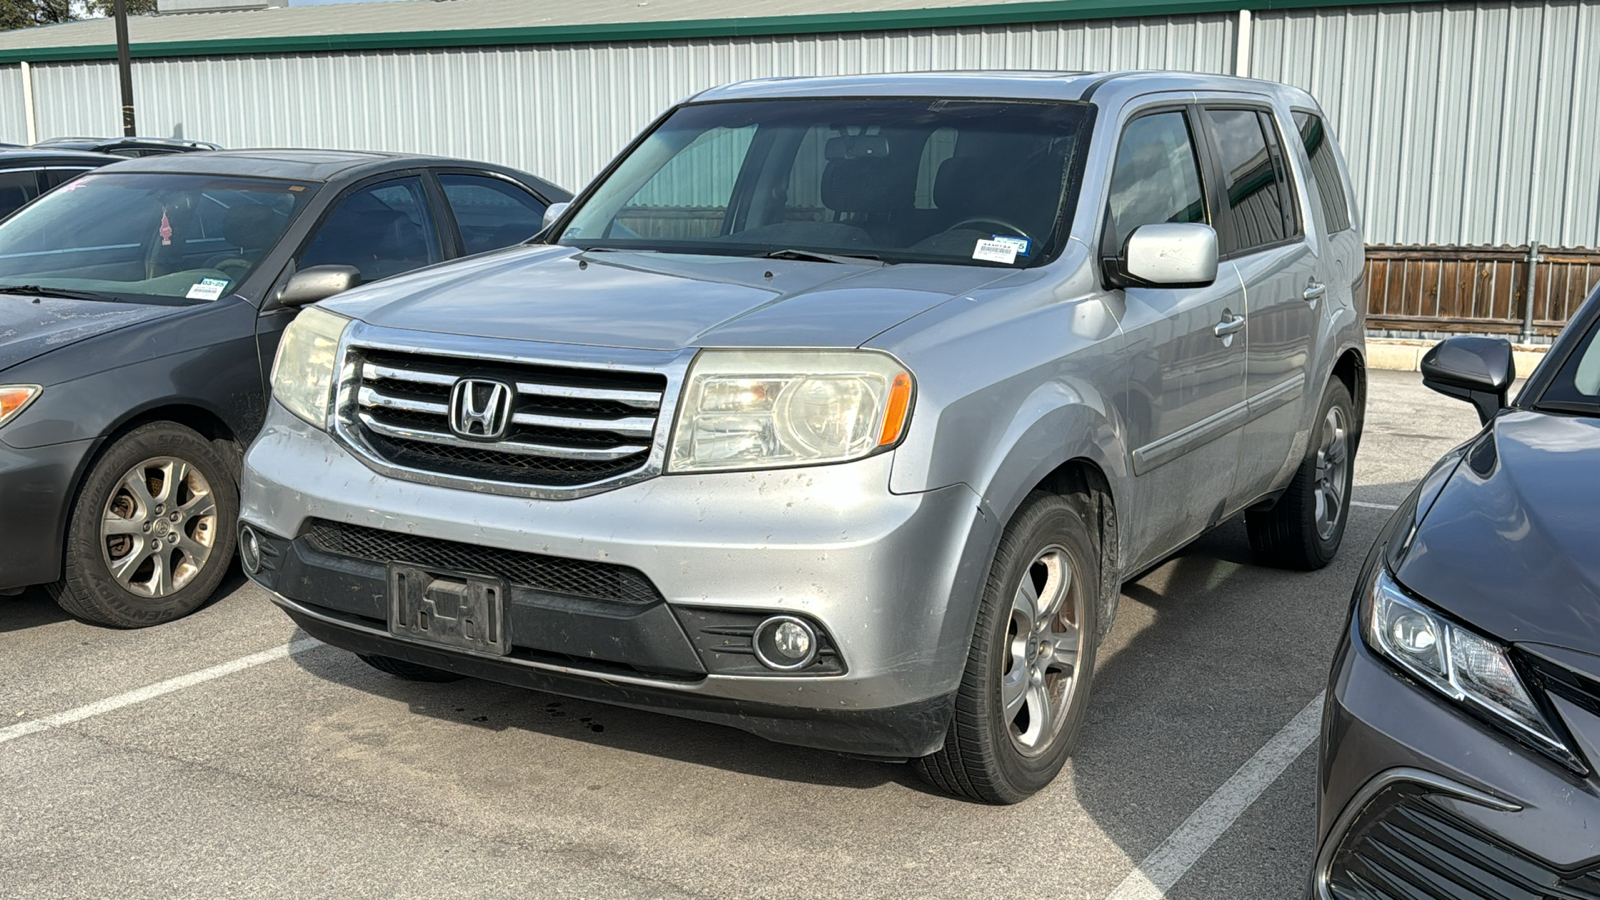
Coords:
371,398
570,425
373,372
635,427
641,399
603,454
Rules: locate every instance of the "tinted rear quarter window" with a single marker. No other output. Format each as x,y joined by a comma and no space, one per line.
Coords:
1260,207
1325,176
491,213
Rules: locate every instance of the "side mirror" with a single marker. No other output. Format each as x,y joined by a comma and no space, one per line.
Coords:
1166,254
318,283
553,212
1479,370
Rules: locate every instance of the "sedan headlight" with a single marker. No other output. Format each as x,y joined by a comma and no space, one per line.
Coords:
762,409
1455,661
14,398
302,373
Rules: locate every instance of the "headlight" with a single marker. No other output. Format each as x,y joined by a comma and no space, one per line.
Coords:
762,409
302,373
14,398
1457,662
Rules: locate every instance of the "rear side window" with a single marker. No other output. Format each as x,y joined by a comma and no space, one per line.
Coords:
1155,179
1260,206
16,189
54,177
491,213
1325,175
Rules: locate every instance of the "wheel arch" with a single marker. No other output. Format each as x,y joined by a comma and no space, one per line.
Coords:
1351,369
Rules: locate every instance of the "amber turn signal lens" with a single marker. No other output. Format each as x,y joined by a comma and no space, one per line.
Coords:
14,397
894,418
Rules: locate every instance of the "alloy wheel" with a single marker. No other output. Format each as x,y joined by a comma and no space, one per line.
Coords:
1332,472
1043,644
158,527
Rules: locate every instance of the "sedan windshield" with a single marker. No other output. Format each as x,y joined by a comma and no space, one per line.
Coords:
144,235
1576,388
976,182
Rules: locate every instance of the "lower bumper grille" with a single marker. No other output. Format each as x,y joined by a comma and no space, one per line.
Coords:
1405,846
550,574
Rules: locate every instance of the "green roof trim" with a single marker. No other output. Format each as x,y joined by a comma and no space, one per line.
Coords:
683,29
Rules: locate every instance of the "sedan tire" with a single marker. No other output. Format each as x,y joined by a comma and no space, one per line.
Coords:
1026,685
152,530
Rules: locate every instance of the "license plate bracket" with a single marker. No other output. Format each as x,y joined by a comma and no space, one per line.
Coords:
449,609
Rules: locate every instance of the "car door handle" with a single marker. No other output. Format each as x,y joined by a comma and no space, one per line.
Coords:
1228,326
1314,291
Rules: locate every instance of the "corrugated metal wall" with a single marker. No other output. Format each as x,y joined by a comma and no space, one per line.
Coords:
1462,123
559,111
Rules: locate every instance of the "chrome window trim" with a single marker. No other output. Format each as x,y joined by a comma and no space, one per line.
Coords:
342,420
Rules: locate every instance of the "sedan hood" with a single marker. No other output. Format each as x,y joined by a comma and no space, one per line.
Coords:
654,301
31,326
1509,546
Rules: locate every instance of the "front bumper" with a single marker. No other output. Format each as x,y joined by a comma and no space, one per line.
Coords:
35,496
1419,799
892,580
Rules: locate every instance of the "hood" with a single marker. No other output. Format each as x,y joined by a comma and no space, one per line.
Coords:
1509,545
654,301
30,326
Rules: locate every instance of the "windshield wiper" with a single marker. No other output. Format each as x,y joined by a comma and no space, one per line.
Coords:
35,290
814,256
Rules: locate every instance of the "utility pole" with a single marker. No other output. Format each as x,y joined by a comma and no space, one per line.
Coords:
119,9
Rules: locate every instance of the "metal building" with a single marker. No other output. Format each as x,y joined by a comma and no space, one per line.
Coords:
1464,123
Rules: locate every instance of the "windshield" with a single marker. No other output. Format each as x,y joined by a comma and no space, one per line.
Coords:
1576,388
975,182
141,235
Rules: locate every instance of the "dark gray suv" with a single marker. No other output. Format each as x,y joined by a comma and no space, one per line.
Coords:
837,410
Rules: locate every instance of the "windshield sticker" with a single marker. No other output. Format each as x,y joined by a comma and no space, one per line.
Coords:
207,289
165,230
1024,246
995,251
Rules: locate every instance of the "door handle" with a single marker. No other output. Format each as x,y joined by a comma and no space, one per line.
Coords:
1227,327
1314,291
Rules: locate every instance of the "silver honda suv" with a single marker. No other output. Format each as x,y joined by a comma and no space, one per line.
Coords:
837,410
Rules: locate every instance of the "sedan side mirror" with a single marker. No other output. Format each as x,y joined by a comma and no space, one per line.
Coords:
1479,370
318,283
1166,254
553,212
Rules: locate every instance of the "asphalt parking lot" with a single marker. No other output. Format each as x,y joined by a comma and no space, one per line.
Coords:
227,755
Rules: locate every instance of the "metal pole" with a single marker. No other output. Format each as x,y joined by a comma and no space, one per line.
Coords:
1527,299
28,116
119,9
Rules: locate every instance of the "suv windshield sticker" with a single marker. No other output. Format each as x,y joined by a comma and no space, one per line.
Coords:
1024,246
207,289
1001,251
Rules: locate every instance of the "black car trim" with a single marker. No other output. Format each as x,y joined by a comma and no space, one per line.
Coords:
1405,774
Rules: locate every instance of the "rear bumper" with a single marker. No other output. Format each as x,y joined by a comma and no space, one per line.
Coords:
35,492
1418,799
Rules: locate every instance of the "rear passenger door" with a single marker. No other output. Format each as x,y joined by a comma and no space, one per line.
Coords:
1184,402
1262,232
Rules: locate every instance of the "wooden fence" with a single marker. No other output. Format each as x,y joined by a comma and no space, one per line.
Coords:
1477,289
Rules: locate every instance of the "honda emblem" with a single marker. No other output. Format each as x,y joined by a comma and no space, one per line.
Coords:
480,409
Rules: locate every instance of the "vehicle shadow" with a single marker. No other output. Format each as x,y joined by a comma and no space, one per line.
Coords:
1187,622
33,608
496,707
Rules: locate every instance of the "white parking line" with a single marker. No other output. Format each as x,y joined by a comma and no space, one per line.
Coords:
1369,505
150,692
1162,868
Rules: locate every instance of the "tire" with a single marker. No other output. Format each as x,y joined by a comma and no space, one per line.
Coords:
993,755
175,507
1304,528
410,671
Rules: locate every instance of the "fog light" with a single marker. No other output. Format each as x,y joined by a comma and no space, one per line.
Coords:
786,643
249,549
